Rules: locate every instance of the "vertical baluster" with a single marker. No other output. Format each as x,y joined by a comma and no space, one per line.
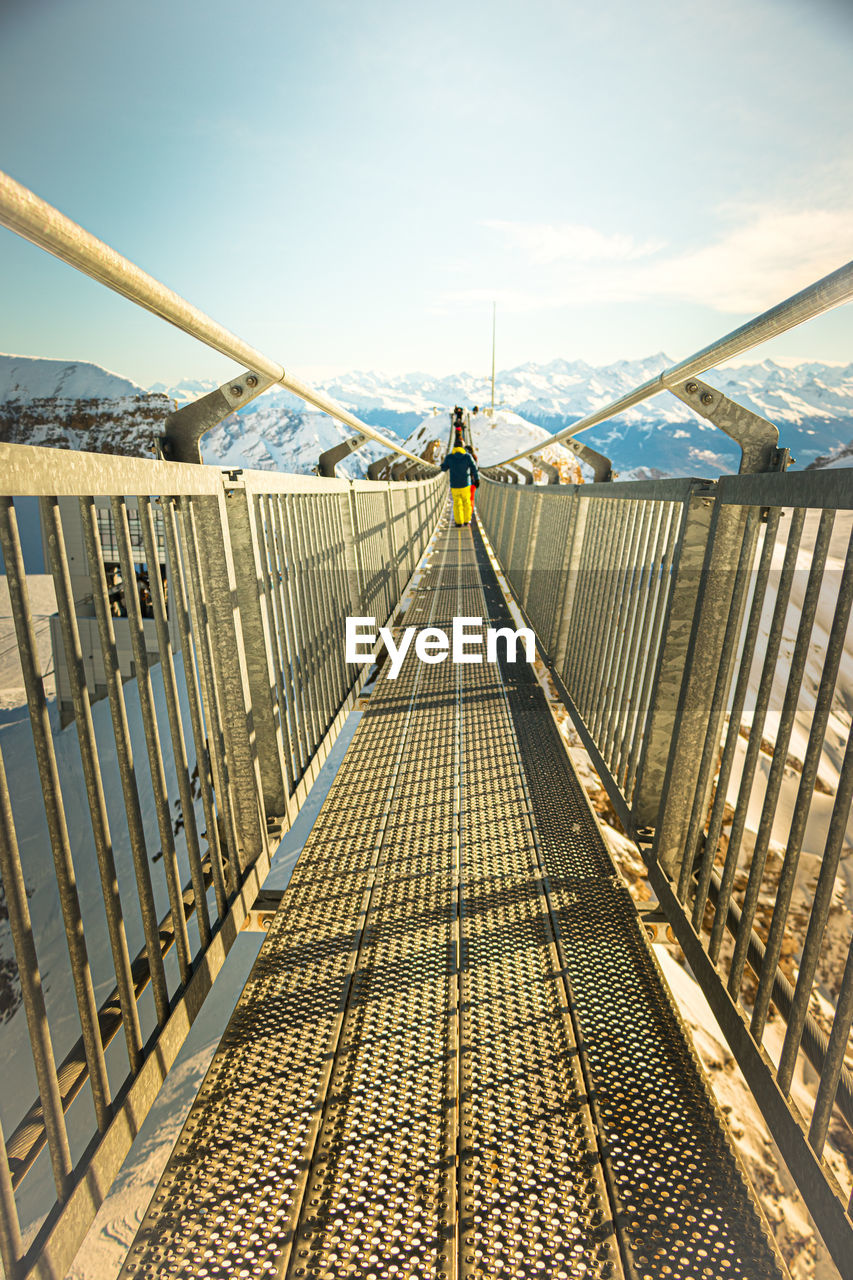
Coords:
124,755
306,513
602,581
176,728
663,585
834,1060
296,583
32,996
58,559
296,675
590,517
178,602
278,640
817,919
722,683
762,700
820,719
210,698
152,736
640,656
11,1244
625,574
55,813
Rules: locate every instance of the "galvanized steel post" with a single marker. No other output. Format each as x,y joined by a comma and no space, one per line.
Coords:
675,641
219,581
245,542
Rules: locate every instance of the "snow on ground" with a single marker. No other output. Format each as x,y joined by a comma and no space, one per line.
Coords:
42,605
28,378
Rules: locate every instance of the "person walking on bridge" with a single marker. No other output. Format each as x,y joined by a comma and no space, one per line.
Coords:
463,474
470,449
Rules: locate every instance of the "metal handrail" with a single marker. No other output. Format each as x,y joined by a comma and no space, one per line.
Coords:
831,291
245,621
667,621
32,218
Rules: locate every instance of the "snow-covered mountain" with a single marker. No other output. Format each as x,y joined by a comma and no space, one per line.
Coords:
810,402
278,432
79,405
76,405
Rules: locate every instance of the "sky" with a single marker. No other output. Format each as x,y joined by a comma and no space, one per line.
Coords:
351,186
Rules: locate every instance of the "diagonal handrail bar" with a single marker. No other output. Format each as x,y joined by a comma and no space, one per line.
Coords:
27,215
830,291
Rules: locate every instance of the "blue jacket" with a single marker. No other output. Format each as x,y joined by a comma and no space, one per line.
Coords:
461,466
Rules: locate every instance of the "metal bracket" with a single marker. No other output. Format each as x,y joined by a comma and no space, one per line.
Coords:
185,427
602,466
330,459
758,438
378,469
260,915
525,474
552,472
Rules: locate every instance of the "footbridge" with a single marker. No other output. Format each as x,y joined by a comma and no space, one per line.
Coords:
455,1054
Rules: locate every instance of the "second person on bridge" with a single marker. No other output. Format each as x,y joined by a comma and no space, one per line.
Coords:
463,474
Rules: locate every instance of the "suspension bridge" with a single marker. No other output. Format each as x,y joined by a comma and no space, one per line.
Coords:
455,1054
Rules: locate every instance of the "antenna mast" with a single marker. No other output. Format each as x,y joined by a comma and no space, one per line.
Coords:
494,309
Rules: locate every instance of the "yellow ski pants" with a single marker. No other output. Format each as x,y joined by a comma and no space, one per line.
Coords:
462,504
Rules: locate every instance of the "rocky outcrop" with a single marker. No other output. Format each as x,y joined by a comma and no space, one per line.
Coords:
123,425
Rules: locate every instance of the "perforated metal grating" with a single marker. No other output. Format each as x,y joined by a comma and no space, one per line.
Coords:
532,1200
399,1091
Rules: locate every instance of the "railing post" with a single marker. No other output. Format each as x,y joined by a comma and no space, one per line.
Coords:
246,547
686,678
688,563
219,581
509,543
501,524
393,567
530,551
352,552
412,559
569,580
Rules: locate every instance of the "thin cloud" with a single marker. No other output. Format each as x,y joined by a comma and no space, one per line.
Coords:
570,242
769,255
756,264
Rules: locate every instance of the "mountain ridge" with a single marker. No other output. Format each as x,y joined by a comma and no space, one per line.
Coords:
72,403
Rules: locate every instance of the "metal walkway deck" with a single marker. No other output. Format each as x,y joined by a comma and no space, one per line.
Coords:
454,1055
